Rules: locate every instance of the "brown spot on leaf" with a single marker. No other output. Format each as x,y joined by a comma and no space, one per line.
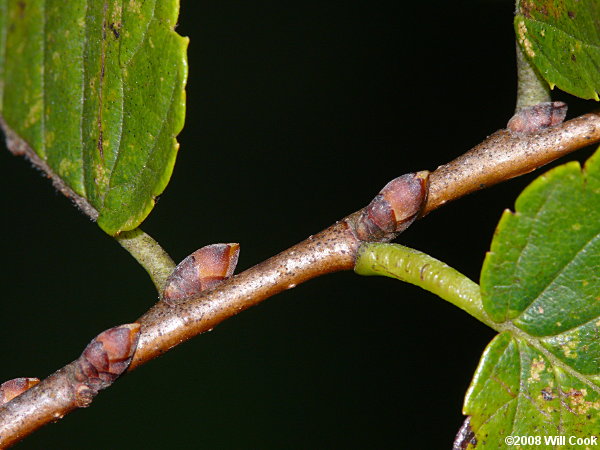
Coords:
21,5
525,8
100,144
547,394
115,27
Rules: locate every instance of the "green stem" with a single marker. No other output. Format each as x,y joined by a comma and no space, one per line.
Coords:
531,87
149,254
415,267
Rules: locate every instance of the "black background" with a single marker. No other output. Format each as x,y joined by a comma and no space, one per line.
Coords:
298,113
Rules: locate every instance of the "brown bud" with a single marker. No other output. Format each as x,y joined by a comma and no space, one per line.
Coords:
11,388
534,119
105,358
200,271
395,207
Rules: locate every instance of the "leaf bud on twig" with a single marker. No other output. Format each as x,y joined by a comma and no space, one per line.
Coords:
105,358
534,119
11,388
395,207
202,270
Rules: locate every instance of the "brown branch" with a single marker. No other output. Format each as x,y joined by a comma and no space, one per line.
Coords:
165,326
74,386
505,155
502,156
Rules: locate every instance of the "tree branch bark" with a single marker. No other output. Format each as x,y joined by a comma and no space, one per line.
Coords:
501,156
505,155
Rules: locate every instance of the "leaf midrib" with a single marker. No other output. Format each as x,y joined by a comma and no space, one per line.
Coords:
535,343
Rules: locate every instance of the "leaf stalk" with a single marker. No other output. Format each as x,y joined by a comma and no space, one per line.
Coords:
531,87
149,254
415,267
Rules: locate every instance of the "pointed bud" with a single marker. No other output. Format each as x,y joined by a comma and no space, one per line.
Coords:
533,119
105,358
202,270
11,388
395,207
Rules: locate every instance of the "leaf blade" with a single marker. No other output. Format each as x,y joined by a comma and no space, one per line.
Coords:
562,40
104,100
164,99
63,72
534,398
23,62
538,251
539,282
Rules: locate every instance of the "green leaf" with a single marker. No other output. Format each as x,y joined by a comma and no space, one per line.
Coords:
562,40
519,390
541,284
96,89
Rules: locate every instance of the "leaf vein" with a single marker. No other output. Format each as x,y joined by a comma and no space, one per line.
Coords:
572,260
143,40
560,30
150,152
518,263
43,82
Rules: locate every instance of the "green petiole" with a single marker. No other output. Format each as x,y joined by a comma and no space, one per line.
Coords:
420,269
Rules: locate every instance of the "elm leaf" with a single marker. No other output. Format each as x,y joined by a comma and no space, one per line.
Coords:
521,390
562,40
540,284
95,89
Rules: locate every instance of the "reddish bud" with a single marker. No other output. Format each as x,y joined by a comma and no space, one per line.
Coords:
200,271
105,358
534,119
11,388
395,207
